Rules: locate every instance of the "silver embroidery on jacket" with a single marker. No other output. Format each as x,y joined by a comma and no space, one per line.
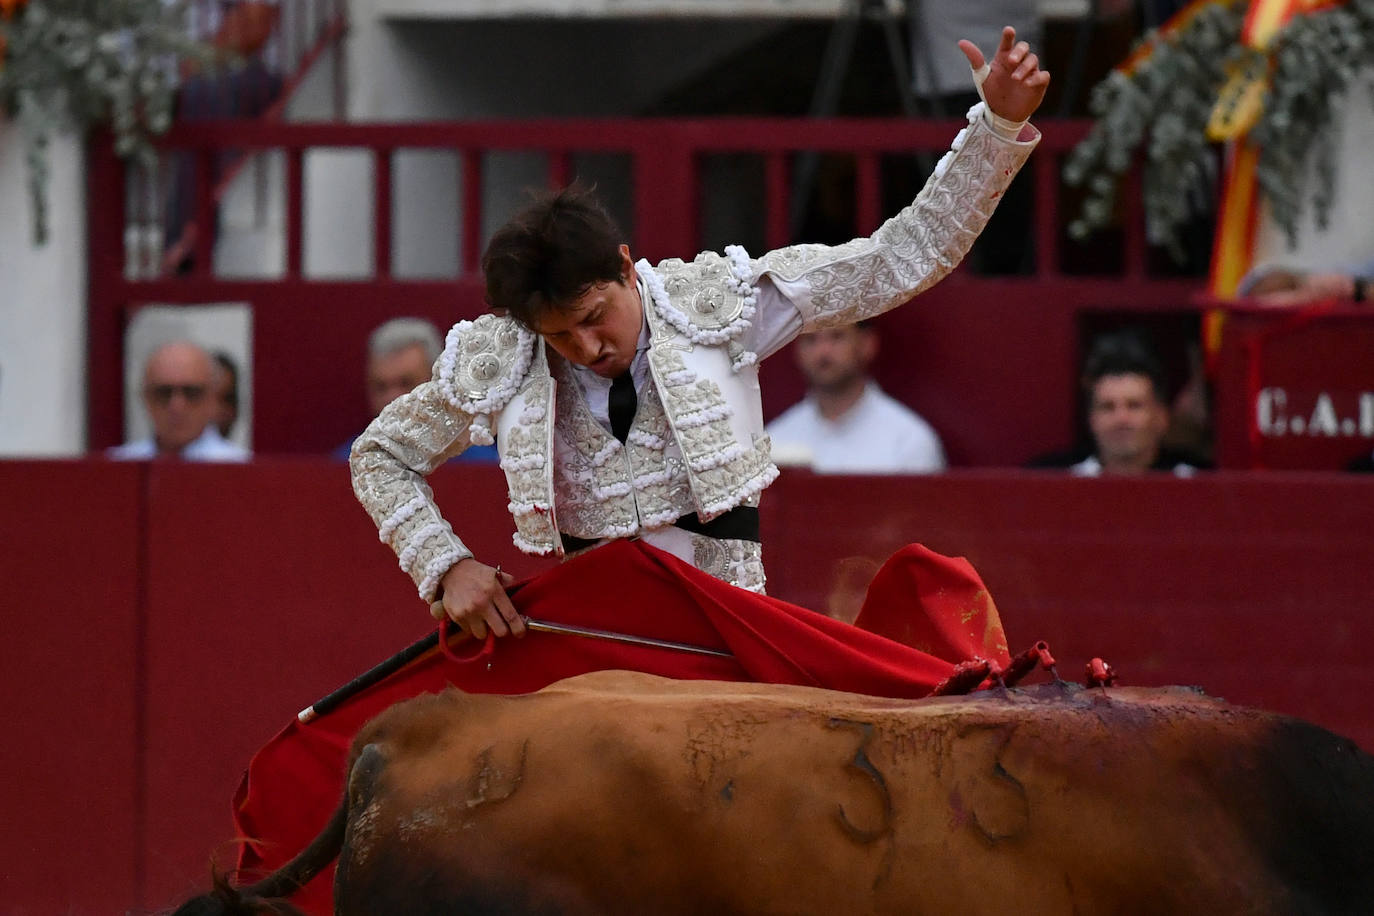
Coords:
914,249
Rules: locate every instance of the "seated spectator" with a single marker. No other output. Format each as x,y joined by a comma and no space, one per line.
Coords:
1123,383
400,356
226,393
177,382
846,424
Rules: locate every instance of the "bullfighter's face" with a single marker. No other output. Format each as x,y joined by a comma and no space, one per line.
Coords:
600,329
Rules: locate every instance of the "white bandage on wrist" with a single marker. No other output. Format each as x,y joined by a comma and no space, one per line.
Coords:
1004,126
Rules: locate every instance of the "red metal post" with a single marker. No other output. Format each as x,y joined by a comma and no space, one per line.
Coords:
105,263
666,217
472,212
294,207
868,194
1045,171
206,223
381,225
1136,242
777,199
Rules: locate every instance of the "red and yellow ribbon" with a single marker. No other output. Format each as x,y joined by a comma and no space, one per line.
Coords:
1266,18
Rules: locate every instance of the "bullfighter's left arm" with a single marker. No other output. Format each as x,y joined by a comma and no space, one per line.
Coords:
912,251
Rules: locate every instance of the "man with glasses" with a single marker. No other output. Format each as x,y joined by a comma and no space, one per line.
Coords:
177,382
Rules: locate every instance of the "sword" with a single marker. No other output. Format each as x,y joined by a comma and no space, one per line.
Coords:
415,650
567,629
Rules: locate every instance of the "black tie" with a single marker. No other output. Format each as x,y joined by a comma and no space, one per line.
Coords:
622,405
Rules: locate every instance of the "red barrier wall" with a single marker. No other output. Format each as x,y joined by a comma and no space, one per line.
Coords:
70,800
267,589
169,618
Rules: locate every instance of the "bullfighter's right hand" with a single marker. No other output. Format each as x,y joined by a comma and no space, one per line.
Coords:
474,597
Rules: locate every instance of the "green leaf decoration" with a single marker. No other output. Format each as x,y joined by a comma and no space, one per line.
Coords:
1161,109
71,65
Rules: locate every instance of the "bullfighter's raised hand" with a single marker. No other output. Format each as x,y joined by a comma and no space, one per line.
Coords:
1012,83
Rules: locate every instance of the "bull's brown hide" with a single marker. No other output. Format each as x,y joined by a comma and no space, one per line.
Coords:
616,792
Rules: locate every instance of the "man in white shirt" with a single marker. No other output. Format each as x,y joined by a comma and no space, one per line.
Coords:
846,424
1124,384
177,382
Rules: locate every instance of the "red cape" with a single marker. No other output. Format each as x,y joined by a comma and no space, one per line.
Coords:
923,614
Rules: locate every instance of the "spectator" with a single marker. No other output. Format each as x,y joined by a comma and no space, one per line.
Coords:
177,382
226,393
1123,383
846,424
400,354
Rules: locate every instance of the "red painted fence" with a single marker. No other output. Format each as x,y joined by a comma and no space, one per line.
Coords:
163,620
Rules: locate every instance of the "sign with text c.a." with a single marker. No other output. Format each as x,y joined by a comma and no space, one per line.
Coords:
1295,389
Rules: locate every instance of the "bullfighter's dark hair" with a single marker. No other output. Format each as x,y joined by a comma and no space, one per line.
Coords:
550,253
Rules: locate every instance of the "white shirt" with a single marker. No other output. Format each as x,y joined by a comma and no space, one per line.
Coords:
1091,467
878,435
208,446
776,323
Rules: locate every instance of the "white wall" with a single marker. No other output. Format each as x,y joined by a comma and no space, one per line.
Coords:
1348,241
422,69
407,70
42,304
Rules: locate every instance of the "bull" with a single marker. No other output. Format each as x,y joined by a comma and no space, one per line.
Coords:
617,792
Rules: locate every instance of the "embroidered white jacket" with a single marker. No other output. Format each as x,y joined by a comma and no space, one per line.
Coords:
697,443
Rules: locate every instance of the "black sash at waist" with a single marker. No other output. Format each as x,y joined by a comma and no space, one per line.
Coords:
739,524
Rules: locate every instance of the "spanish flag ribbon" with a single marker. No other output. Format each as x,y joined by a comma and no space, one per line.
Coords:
1241,100
1266,18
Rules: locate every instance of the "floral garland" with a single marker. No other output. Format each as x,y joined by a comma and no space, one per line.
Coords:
1317,58
77,64
1164,98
